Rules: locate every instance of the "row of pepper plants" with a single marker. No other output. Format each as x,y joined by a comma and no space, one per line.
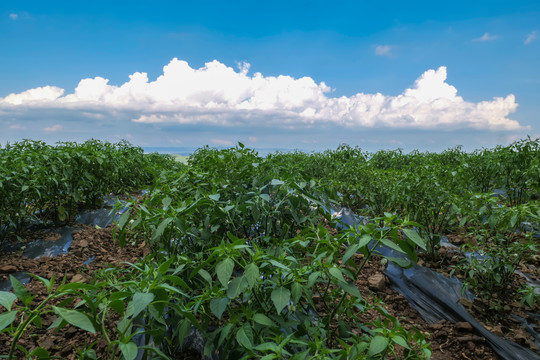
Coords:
489,195
41,182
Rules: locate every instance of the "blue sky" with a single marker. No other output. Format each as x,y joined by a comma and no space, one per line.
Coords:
288,74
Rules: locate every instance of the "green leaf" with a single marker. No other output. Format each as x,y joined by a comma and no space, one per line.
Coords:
251,272
161,228
123,219
6,319
164,267
218,306
364,240
244,336
279,265
166,202
77,286
403,262
271,357
56,323
313,277
7,299
392,245
513,221
139,303
37,321
183,330
400,341
296,290
40,353
129,350
269,346
351,289
280,297
75,318
224,332
206,276
265,197
377,345
277,182
414,237
236,286
336,273
350,252
214,197
263,320
118,306
224,271
19,289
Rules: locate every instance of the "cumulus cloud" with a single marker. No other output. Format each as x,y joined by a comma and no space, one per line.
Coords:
531,37
383,50
13,16
218,95
486,37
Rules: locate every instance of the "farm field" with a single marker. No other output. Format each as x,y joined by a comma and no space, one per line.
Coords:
230,255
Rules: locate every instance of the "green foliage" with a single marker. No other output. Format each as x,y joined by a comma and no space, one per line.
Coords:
241,249
39,182
21,315
489,272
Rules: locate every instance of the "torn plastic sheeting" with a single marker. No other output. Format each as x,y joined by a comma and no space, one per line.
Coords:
24,278
534,283
102,217
527,226
529,328
423,287
89,260
50,248
447,244
348,218
436,298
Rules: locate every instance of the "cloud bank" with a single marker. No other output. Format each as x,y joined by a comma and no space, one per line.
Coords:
218,95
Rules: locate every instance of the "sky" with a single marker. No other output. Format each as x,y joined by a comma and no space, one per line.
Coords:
306,75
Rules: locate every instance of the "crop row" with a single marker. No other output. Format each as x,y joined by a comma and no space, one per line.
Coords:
43,182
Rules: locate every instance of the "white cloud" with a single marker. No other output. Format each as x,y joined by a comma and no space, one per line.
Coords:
41,95
221,142
13,16
218,95
53,128
486,37
383,50
531,37
253,139
17,127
